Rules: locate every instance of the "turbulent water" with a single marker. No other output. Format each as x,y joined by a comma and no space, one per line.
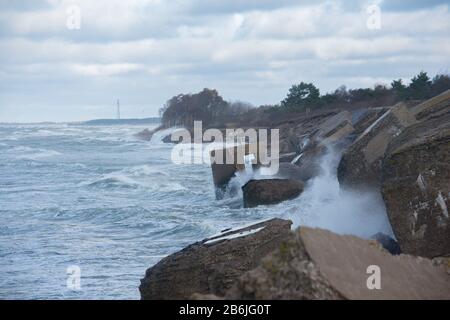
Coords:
100,199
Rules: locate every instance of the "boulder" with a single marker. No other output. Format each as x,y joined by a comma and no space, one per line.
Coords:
416,187
270,191
146,134
213,265
226,161
360,166
318,264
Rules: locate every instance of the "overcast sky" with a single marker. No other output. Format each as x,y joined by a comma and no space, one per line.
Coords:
146,51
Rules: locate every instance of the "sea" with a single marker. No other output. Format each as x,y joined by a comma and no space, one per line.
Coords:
85,210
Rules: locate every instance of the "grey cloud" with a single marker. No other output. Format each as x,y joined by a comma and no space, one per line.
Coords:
248,50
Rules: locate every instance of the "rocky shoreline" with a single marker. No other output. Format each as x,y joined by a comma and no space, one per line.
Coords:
402,152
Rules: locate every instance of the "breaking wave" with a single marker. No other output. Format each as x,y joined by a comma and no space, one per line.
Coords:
323,203
142,176
27,153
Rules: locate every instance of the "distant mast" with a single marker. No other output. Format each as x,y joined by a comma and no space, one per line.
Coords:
118,109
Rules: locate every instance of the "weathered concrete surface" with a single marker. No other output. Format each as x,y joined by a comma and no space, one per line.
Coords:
226,161
213,265
318,264
416,187
293,133
286,274
360,166
288,170
435,107
270,191
335,128
368,118
287,157
331,132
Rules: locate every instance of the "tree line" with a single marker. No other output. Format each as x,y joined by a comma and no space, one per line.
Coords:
306,96
208,106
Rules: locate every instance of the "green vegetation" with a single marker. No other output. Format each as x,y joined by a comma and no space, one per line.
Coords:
306,97
301,96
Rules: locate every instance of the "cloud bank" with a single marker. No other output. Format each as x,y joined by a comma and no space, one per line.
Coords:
145,51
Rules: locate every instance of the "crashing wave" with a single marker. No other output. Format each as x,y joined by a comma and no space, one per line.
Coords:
27,153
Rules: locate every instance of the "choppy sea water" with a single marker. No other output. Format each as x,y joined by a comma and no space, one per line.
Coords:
102,200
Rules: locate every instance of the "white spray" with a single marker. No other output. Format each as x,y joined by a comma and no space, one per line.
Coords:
325,205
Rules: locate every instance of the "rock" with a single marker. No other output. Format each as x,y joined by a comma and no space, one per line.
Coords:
294,132
318,264
225,162
416,187
168,139
146,134
270,191
309,160
335,128
435,107
213,265
367,118
287,157
198,296
330,132
360,166
387,243
290,171
443,262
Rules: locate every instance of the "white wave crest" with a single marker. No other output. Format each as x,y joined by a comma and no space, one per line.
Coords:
27,153
143,176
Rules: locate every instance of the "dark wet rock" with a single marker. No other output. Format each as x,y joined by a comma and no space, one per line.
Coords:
214,264
388,243
270,191
416,187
